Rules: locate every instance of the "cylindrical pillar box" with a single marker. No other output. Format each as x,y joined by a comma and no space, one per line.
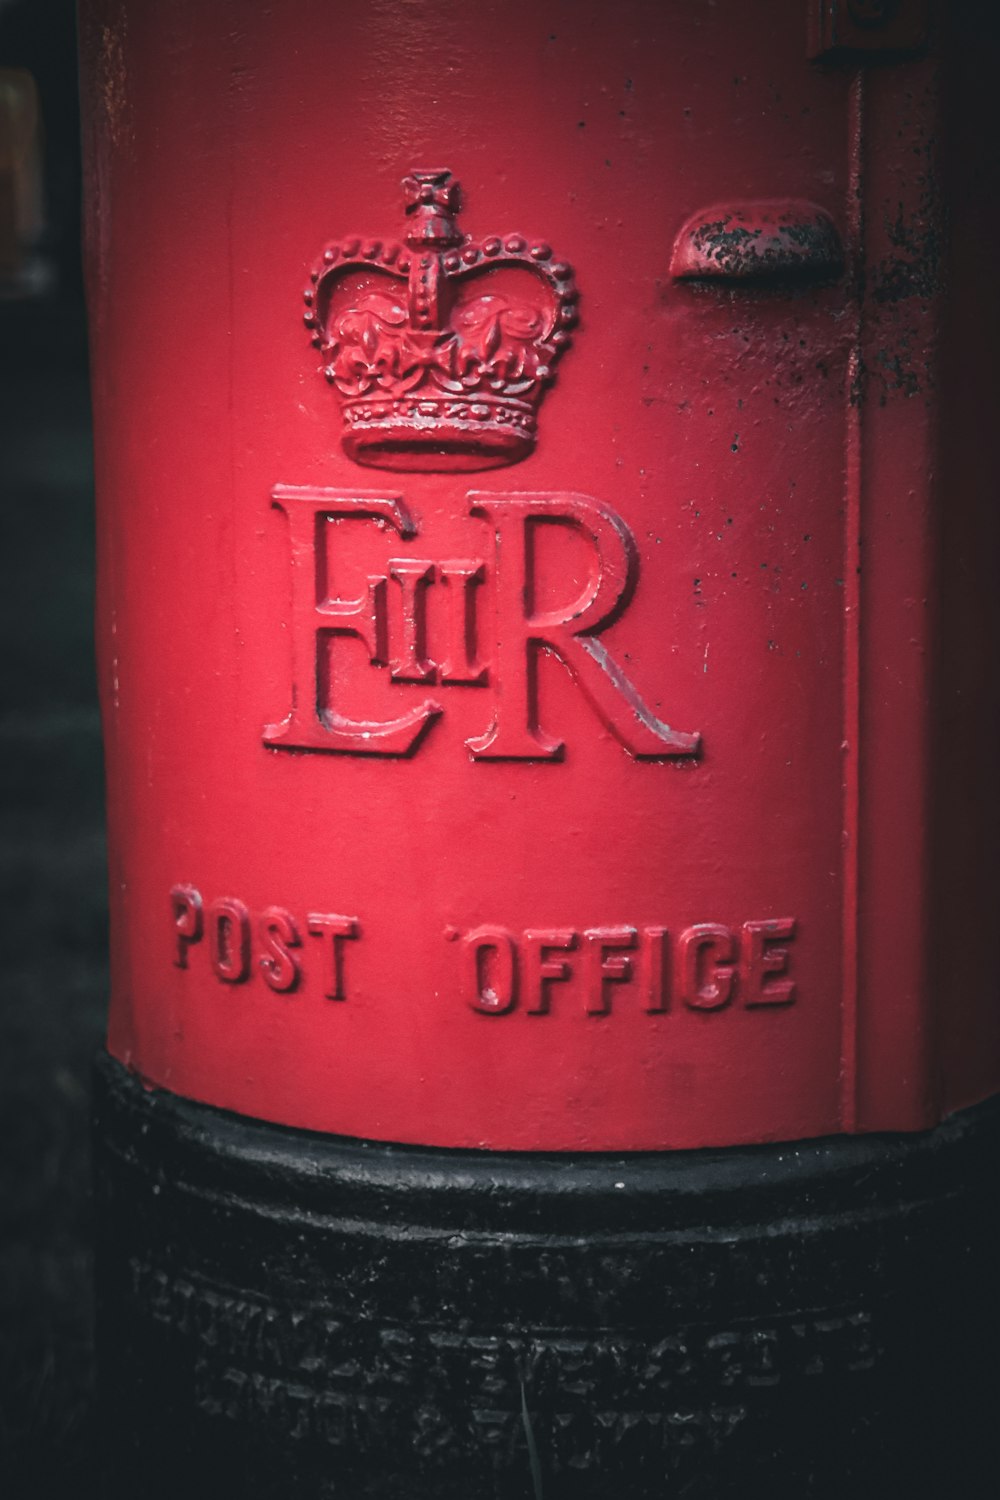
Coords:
543,597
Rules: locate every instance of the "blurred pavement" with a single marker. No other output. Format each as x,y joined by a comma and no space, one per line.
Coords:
53,900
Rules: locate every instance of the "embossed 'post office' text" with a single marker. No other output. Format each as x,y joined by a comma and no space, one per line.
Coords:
705,967
239,944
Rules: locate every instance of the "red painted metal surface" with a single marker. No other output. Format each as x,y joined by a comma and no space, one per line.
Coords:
523,737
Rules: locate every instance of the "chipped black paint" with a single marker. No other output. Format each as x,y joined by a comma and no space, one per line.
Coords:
732,250
914,269
903,282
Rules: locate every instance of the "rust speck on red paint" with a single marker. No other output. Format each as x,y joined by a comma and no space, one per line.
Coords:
113,79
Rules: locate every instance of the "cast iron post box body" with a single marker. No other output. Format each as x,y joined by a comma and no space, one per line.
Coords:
533,523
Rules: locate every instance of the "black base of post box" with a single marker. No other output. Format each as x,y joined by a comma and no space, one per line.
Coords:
286,1316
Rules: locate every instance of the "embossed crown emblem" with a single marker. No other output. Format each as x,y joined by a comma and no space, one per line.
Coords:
441,349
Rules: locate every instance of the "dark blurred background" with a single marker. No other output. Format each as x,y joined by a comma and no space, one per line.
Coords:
52,870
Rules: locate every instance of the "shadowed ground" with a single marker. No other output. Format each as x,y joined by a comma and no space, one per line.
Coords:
52,879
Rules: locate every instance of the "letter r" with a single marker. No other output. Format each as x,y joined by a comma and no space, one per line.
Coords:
570,632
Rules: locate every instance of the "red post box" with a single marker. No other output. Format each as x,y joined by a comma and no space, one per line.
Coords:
542,615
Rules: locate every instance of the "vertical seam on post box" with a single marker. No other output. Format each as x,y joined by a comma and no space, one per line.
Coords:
851,664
